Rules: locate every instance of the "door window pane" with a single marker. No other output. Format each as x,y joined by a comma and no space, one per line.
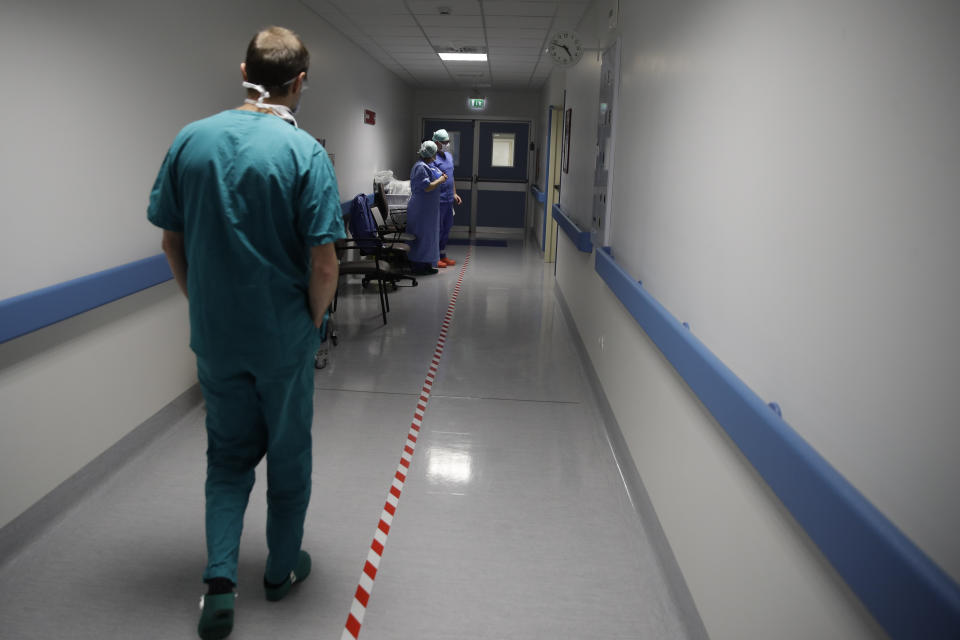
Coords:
503,150
454,147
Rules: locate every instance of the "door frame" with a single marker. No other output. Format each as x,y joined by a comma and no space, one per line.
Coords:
552,182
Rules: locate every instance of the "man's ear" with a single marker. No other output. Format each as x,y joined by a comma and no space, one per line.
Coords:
243,70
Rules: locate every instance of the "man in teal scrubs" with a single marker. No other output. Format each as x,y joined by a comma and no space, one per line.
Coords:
249,208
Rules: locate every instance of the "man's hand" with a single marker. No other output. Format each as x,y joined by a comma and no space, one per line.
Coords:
172,245
324,272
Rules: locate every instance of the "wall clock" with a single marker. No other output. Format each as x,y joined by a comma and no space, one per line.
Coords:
565,48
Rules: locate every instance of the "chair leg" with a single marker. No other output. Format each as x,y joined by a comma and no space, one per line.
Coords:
384,304
386,287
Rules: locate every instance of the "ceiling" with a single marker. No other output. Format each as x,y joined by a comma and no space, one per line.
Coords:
404,36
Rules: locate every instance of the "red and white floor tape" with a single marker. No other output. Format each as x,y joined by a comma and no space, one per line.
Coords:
362,596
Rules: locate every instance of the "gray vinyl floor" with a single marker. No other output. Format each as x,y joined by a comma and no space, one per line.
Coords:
513,523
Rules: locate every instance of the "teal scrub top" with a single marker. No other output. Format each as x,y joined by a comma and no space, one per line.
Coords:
251,194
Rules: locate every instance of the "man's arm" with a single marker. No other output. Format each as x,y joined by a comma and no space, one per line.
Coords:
324,271
172,245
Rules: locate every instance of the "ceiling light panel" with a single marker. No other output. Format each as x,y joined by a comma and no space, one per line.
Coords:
463,58
461,46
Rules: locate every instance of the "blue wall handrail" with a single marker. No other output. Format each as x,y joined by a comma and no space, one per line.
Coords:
579,237
538,195
37,309
907,593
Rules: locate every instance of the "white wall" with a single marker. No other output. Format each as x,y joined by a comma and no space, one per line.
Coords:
70,391
99,90
583,99
787,184
104,88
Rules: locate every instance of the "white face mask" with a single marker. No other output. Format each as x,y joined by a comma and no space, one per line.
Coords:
281,110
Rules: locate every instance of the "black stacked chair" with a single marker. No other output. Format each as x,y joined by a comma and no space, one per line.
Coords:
368,233
373,267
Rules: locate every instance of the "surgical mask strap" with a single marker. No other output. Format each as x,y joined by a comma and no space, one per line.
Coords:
281,110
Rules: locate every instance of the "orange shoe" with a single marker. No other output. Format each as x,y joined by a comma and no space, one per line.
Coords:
441,264
449,261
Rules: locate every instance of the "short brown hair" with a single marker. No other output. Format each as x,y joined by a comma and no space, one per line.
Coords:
275,56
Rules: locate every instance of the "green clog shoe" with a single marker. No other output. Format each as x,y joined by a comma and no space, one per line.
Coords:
216,616
299,574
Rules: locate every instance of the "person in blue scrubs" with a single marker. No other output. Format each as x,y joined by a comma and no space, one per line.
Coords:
423,213
249,208
448,194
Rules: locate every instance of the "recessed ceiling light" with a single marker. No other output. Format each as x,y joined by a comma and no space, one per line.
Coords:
462,57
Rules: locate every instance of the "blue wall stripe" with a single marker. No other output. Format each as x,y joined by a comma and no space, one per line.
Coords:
579,237
908,594
31,311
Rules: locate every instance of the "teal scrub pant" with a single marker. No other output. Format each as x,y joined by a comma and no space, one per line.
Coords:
252,412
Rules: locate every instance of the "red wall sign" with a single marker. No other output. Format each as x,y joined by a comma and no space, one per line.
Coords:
369,117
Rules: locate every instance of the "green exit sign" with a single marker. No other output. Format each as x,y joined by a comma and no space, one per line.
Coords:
478,104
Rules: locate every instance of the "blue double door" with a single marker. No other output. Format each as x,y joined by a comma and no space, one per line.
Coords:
490,161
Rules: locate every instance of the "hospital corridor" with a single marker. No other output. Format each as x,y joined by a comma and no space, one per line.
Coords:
644,320
513,521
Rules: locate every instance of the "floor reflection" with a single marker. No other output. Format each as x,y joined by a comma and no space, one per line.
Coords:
447,466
